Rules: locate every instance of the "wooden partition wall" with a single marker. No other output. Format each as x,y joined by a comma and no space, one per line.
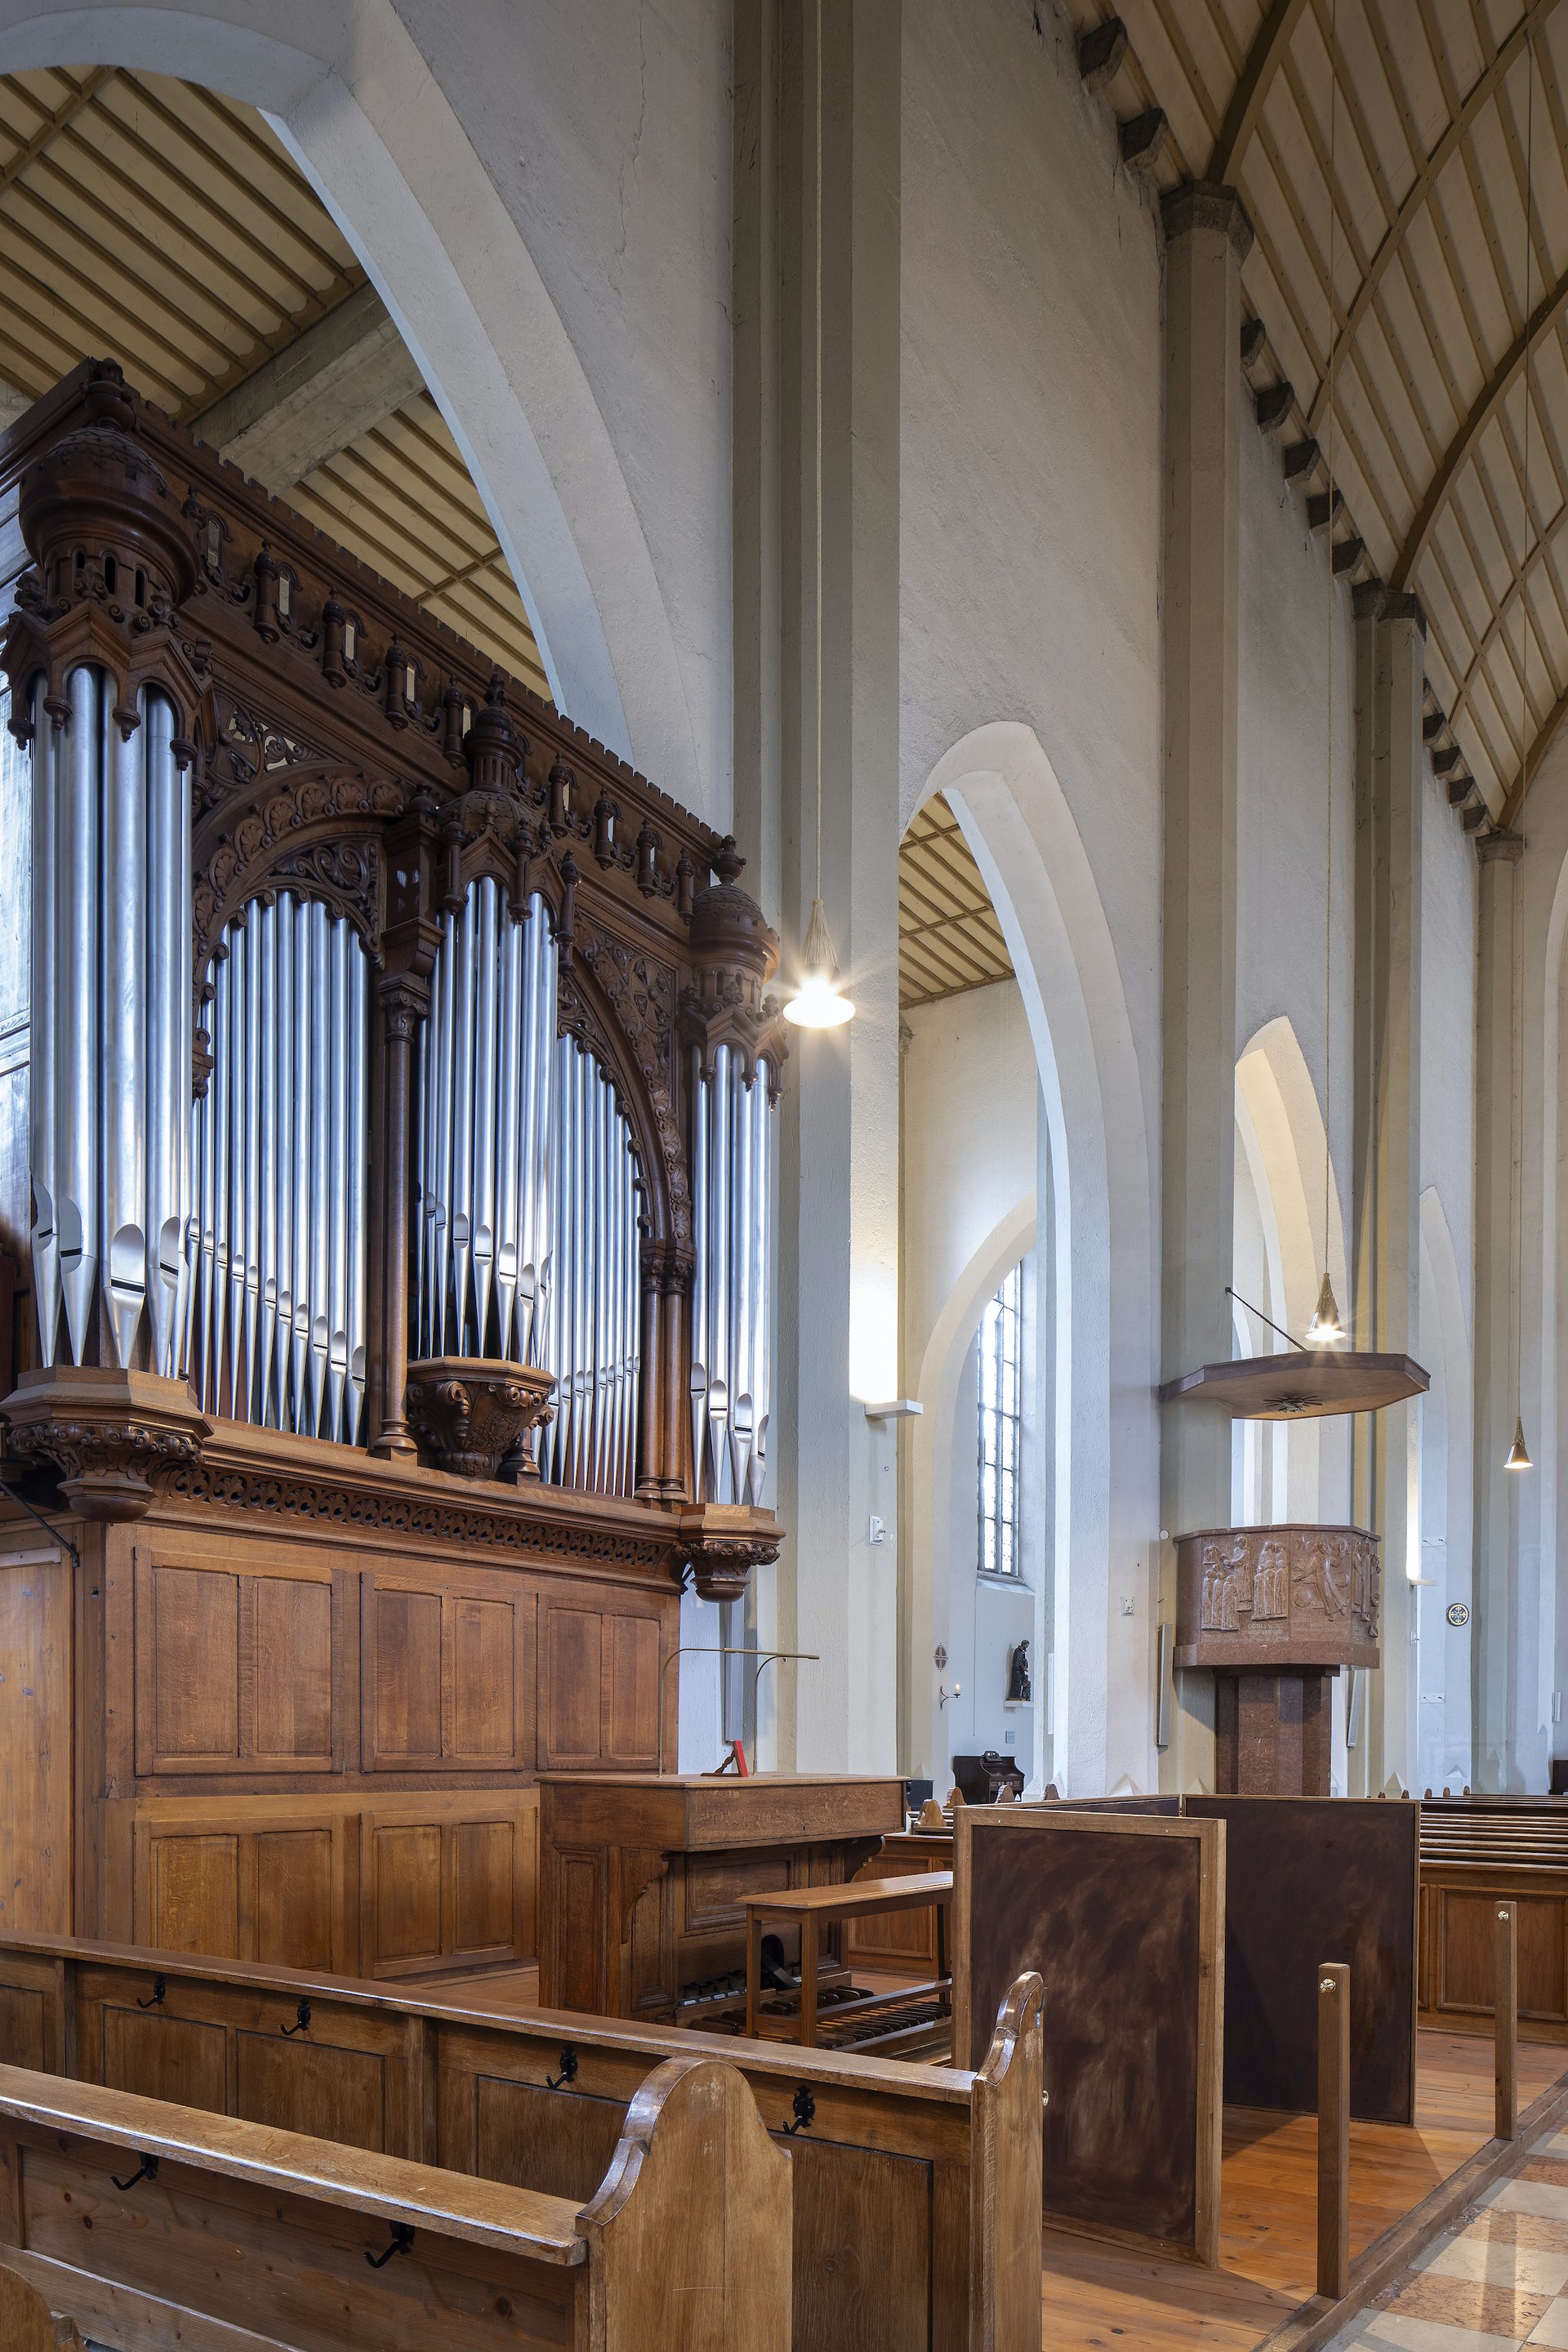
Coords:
1121,1915
385,1202
1310,1879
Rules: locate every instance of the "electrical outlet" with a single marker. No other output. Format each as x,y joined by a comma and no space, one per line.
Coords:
876,1530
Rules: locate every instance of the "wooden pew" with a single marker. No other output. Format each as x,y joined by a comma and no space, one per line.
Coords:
1477,1852
895,2165
146,2224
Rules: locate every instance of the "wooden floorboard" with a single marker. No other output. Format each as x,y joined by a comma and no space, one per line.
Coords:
1111,2301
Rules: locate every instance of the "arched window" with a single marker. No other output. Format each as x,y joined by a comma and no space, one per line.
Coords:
1001,1411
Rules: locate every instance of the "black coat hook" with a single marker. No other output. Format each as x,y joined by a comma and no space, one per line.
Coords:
159,1989
148,2170
804,2110
568,2069
402,2241
301,2020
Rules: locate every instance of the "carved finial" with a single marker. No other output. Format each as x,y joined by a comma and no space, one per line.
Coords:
107,399
729,865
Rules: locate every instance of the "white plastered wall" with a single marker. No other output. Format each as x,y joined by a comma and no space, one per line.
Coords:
970,1122
541,198
1030,533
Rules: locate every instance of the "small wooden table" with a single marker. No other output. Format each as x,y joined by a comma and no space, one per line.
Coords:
808,1907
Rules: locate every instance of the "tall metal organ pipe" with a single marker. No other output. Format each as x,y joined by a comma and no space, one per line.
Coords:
526,1241
277,1236
111,1043
732,1216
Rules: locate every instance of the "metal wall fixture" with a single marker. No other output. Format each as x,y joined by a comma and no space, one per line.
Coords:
111,1030
277,1239
733,1217
593,1340
482,1132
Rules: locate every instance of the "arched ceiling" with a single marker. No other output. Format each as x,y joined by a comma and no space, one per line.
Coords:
164,225
1443,341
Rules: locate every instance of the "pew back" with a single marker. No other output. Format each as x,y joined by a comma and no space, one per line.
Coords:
889,2166
146,2223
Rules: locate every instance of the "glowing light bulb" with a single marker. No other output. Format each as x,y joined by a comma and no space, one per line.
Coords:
1325,1327
818,1002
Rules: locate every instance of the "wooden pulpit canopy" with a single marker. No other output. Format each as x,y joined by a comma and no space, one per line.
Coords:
1301,1385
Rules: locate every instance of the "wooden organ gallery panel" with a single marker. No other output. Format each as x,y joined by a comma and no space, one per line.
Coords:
385,1213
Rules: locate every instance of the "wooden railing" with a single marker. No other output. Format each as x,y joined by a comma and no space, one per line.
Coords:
905,2175
146,2224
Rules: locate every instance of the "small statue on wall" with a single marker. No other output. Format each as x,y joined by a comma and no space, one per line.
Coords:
1020,1690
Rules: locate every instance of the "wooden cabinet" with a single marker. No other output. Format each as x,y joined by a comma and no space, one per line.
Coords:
299,1723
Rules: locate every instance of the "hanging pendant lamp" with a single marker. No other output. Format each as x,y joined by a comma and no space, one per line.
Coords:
818,1002
1325,1329
1519,1456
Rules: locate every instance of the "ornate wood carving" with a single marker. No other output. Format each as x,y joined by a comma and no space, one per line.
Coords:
117,1438
472,1412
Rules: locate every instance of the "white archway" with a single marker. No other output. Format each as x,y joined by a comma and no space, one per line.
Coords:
344,84
1016,821
1280,1121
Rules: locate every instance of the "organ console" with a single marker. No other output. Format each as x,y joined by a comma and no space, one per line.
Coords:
388,1191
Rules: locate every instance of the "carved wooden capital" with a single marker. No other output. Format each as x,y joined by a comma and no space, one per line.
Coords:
471,1412
117,1438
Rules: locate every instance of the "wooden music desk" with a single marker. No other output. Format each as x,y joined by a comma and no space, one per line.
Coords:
808,1907
643,1876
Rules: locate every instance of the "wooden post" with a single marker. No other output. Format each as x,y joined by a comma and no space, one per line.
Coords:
1505,2020
1333,2131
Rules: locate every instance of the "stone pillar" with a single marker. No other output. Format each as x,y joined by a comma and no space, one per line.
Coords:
832,1591
1385,1175
1207,239
1497,1490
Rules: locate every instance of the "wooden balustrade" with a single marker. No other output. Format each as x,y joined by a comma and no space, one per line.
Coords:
145,2223
907,2232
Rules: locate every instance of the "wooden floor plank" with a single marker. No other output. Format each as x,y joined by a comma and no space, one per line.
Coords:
1099,2299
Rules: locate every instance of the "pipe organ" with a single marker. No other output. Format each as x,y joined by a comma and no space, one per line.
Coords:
111,1029
277,1231
387,1217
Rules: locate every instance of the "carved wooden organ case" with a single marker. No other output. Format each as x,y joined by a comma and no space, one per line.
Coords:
389,1207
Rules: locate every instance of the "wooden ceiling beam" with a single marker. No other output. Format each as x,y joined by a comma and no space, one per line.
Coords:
1543,320
1529,767
53,124
1244,111
1476,98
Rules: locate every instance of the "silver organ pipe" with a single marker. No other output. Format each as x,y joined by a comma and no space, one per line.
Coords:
733,1216
111,1048
593,1335
276,1328
481,1128
527,1189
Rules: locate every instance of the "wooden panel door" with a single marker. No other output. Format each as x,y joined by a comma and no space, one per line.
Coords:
248,1879
599,1686
36,1665
445,1680
233,1665
449,1880
571,1687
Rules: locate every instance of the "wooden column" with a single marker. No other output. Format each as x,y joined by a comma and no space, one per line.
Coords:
403,1003
1334,2130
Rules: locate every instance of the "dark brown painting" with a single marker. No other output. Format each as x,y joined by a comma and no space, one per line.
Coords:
1310,1879
1119,1915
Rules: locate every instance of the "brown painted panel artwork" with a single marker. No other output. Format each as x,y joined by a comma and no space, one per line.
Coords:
1310,1879
1111,1921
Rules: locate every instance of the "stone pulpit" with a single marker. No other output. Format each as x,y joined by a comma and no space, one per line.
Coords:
1275,1612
